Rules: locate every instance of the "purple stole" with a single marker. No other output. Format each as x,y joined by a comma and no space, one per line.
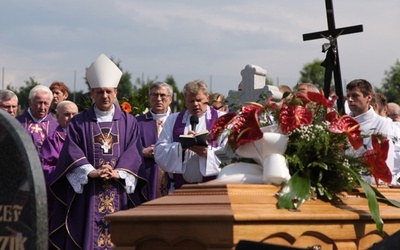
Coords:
178,130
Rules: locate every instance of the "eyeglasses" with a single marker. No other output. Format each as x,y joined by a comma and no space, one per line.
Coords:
156,95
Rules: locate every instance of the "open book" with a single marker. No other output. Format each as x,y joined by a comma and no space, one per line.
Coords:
199,139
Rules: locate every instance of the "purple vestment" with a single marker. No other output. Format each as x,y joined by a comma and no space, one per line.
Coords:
39,131
78,219
158,181
49,154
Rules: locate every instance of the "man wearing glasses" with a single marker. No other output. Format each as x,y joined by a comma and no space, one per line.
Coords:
9,102
151,124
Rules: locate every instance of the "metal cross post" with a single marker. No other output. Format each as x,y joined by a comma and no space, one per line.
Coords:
331,62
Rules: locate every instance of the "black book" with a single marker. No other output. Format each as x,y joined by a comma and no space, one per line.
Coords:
199,139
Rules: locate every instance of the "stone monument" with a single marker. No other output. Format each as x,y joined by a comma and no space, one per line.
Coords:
23,202
253,87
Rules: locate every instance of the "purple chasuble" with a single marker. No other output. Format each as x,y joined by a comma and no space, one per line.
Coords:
78,220
38,130
179,129
158,181
48,155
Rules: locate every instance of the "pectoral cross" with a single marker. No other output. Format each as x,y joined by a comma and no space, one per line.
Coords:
331,62
105,147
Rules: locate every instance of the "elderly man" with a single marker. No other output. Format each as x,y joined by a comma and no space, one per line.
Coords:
151,124
359,97
60,93
197,163
100,166
393,112
52,145
36,119
9,102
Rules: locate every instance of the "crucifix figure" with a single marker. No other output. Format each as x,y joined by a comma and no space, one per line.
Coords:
331,62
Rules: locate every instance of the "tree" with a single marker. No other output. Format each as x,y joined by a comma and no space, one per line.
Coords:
177,101
391,83
23,93
314,73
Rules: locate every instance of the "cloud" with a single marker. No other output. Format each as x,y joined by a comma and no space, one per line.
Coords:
213,40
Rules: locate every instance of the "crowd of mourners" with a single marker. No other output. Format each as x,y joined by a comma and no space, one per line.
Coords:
103,160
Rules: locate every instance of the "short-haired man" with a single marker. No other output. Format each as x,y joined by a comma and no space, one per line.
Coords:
197,163
151,124
36,119
393,112
359,97
9,102
52,145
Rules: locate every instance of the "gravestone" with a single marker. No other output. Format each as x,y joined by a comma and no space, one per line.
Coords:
253,87
23,201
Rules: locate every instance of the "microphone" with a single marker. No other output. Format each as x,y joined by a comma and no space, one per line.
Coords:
194,120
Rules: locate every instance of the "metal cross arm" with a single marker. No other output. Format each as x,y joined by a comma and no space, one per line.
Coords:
335,33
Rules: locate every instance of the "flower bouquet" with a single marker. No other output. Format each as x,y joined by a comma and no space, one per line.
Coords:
320,150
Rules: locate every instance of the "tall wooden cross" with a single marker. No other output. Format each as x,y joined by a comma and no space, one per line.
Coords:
331,62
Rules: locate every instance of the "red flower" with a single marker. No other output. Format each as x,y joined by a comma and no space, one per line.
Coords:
245,126
376,158
345,124
125,106
320,98
293,116
220,124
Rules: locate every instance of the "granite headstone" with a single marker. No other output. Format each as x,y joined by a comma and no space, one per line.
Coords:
23,201
253,87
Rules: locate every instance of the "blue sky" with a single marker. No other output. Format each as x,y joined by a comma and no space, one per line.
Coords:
210,40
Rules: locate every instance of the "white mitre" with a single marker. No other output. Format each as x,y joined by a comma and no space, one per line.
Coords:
103,73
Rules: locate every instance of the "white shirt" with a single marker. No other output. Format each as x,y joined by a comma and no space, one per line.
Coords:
372,123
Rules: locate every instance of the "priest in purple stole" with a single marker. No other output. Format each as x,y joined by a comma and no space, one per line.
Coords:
52,146
150,124
100,167
197,163
36,119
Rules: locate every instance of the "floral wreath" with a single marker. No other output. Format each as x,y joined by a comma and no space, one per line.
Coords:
320,151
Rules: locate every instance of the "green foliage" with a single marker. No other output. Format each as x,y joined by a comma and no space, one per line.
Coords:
391,83
314,73
315,151
177,103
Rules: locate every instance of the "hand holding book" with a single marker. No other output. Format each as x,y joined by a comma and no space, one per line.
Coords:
200,139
